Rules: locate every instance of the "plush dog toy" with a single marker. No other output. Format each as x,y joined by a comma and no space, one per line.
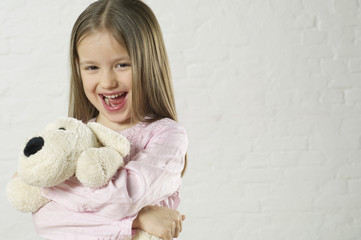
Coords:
67,147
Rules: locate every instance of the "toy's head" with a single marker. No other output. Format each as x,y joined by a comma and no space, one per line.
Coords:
50,157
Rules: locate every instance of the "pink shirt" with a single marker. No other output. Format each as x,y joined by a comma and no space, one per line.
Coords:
151,176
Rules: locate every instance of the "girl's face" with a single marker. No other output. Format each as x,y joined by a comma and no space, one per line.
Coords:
106,73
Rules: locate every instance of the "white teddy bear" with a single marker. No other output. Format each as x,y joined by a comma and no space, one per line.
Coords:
67,147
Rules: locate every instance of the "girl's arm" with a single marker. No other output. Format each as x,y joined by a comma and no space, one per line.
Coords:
163,222
153,175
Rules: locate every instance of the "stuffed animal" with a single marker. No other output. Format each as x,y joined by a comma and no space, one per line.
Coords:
67,147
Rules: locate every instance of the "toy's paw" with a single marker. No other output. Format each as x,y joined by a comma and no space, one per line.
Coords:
141,235
96,166
24,197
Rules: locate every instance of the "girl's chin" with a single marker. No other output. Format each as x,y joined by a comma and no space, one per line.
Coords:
113,120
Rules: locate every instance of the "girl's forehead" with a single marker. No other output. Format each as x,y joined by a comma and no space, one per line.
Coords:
101,47
98,36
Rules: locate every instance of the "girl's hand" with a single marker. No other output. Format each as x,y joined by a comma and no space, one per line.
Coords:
163,222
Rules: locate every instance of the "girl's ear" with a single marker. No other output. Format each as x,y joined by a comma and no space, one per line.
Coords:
110,138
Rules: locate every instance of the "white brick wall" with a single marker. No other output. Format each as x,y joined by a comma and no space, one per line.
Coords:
269,91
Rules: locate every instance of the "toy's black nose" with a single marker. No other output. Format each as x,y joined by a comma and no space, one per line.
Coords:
33,146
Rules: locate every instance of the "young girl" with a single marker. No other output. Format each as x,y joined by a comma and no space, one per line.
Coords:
120,78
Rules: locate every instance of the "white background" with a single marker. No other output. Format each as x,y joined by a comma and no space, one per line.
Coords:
269,91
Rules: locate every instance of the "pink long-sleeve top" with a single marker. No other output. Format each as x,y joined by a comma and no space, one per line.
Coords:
151,176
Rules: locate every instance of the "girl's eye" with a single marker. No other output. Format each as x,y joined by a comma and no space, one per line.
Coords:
122,65
91,68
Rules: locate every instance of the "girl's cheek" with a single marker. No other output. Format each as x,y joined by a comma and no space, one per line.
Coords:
88,79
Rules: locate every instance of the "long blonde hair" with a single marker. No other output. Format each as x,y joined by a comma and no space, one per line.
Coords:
133,24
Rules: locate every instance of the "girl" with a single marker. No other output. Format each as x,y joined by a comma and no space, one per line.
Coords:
120,78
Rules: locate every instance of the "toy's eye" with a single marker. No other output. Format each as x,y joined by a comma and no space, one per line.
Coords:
62,128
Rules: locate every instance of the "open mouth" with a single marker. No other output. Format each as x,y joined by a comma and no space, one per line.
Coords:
114,101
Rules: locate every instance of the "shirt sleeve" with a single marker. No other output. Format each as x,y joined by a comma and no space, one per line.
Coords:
152,175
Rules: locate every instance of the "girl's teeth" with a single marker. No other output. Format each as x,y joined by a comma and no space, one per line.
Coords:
107,97
113,96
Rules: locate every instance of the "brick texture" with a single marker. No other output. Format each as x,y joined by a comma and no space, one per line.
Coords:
269,91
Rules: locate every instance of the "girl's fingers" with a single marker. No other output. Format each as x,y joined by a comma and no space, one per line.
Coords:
180,224
176,229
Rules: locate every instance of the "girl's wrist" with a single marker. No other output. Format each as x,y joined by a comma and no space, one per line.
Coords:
136,223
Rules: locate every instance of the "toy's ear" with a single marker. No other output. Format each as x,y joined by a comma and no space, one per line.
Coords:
110,138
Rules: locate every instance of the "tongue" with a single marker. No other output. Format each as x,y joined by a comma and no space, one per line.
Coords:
117,100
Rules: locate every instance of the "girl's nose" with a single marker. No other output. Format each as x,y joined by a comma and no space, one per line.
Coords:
108,80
